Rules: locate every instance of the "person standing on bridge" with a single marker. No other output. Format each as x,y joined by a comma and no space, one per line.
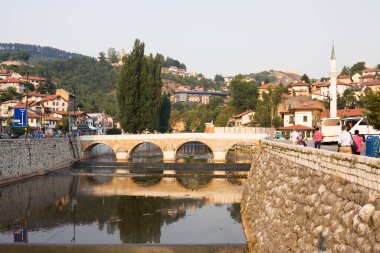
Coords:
359,142
294,137
345,141
317,137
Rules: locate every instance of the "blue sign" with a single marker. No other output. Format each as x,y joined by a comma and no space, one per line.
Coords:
20,117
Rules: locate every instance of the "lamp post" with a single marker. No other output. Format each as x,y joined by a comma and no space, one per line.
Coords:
26,104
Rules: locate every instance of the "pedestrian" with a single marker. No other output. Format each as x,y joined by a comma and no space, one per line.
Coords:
294,136
359,142
317,137
301,140
345,141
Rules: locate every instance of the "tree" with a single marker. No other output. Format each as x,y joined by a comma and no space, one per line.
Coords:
139,91
305,78
266,112
219,78
347,100
243,94
224,116
165,112
102,56
358,68
372,107
112,55
345,71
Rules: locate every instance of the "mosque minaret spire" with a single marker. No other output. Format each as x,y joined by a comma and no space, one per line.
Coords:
333,92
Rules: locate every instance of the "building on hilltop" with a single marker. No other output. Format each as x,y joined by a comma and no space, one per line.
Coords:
265,89
299,89
203,97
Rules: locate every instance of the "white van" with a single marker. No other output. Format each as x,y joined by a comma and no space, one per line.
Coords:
330,129
360,123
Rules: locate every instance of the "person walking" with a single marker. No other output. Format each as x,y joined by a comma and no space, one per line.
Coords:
317,137
359,142
345,141
294,136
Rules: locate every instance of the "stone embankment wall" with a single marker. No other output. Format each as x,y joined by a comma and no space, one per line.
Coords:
301,200
24,158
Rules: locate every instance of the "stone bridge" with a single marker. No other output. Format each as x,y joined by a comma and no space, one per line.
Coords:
124,145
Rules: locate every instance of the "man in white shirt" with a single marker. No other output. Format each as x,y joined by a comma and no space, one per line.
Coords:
294,136
345,141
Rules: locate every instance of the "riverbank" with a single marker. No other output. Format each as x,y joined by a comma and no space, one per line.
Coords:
26,158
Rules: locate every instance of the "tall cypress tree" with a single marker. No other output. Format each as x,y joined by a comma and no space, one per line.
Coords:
139,91
165,113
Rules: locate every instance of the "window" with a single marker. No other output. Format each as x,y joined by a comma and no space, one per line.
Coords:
304,118
53,103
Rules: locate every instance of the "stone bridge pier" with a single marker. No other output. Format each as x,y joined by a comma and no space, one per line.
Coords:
124,145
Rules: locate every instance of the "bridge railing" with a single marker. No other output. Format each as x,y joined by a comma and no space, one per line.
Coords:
361,170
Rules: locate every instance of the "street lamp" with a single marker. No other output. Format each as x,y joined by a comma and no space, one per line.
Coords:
26,104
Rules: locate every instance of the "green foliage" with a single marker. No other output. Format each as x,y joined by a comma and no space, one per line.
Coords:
372,107
244,94
8,95
305,78
347,100
14,56
165,112
264,76
63,125
112,55
113,131
358,68
197,117
219,78
345,71
171,62
224,116
139,91
38,53
94,81
190,81
266,112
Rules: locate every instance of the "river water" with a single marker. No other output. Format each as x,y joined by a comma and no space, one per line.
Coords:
68,208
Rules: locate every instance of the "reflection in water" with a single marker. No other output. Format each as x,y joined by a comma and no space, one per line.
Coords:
122,210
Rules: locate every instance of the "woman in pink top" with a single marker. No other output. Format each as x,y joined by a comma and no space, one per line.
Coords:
359,142
317,137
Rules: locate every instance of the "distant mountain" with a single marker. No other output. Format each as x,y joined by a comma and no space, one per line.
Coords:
39,53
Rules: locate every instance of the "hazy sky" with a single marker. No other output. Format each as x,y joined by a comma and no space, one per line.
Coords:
209,36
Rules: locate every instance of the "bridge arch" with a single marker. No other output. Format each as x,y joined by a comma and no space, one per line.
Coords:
87,151
151,150
192,148
240,151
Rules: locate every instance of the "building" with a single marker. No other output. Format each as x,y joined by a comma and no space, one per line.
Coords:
244,118
265,89
204,97
299,89
17,84
344,113
35,80
55,102
100,122
300,111
33,96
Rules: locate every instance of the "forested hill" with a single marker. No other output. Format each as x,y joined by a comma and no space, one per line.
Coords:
39,53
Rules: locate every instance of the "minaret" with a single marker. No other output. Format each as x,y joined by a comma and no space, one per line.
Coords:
333,75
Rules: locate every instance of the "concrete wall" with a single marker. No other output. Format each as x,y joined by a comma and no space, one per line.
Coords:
298,199
23,158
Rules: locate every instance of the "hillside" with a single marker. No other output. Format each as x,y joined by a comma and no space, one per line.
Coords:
39,53
275,77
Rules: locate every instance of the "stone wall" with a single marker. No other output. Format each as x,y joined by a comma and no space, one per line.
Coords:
23,158
300,200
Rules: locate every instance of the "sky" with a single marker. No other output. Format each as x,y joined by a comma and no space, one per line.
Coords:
212,37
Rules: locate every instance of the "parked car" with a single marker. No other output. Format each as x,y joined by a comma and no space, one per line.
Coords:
29,136
5,136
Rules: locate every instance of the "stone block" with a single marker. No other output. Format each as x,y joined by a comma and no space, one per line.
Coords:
365,212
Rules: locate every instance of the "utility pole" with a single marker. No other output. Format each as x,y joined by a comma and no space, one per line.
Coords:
26,104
